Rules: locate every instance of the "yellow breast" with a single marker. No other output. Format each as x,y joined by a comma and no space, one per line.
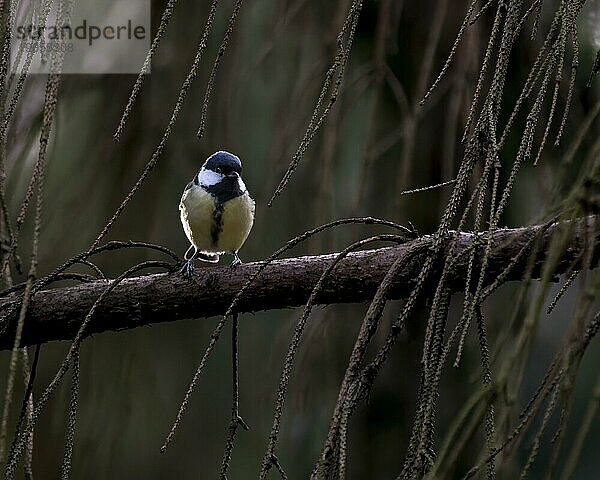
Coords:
213,227
196,211
237,220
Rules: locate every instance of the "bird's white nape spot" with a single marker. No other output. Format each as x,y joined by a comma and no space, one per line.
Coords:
208,177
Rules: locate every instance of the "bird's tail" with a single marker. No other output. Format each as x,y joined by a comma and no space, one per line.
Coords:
208,257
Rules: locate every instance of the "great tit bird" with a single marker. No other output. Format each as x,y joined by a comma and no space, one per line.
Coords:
217,212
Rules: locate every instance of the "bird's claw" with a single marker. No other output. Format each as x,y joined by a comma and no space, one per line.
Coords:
236,260
187,269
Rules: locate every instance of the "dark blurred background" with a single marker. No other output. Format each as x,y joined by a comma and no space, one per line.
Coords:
375,143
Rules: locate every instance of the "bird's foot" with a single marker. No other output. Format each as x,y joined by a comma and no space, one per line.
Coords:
188,268
236,260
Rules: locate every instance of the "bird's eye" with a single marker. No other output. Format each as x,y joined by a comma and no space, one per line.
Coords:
218,170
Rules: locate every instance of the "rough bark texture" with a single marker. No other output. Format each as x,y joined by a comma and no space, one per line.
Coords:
57,313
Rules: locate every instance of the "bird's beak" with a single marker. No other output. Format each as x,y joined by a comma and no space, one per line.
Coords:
233,174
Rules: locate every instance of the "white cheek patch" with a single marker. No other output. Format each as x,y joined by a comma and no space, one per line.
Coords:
208,177
241,184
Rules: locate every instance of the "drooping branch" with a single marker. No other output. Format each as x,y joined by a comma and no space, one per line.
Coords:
56,314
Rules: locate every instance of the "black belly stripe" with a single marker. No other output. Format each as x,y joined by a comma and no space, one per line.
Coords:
217,223
224,191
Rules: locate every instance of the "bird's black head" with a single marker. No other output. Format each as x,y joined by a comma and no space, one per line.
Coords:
221,176
223,163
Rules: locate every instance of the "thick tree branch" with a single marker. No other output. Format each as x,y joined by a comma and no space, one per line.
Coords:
57,313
